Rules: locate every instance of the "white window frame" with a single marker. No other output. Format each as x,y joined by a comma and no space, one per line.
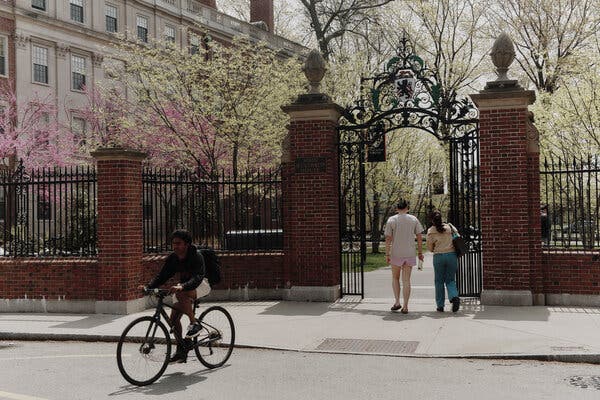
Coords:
76,69
108,13
38,8
4,41
77,3
35,59
141,21
194,44
170,29
80,135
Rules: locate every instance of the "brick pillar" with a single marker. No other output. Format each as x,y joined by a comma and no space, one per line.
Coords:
262,10
210,3
510,196
310,182
120,238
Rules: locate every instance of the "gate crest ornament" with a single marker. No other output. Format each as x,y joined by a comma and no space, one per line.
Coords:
408,94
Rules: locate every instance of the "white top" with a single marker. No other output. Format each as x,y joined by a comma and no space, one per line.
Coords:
402,228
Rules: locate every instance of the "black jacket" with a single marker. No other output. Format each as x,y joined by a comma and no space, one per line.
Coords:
191,270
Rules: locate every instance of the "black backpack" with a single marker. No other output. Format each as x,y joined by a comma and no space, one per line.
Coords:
212,265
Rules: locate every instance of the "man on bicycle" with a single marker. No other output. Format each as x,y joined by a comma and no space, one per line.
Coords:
190,265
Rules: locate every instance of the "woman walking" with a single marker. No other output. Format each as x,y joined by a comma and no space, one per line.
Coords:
445,262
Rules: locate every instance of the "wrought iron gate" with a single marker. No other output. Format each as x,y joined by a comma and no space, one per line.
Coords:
352,213
407,95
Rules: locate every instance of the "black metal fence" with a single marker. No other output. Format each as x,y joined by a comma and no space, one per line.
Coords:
571,192
48,212
241,214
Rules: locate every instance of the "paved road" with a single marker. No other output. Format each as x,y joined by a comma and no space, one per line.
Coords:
72,370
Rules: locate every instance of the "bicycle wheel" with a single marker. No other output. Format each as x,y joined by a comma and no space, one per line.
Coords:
143,351
215,343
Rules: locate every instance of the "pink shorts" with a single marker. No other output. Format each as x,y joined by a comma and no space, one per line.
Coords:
399,261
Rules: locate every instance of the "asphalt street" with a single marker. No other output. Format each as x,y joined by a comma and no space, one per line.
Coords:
73,370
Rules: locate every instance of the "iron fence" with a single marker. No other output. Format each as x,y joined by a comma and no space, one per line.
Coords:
571,192
231,214
48,212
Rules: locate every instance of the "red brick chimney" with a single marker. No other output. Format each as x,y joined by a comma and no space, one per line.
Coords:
210,3
262,10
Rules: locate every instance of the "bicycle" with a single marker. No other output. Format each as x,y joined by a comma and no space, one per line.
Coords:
144,348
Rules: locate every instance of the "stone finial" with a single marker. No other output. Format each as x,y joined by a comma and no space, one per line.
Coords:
314,70
503,54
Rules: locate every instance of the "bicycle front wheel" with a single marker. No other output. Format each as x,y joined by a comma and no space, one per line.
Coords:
143,351
215,343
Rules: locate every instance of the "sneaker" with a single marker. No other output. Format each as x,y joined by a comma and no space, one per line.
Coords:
193,330
440,309
455,304
179,357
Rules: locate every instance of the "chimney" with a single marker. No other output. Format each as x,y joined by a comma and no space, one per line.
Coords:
262,10
210,3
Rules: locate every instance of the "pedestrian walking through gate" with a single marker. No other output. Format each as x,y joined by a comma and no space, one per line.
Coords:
408,95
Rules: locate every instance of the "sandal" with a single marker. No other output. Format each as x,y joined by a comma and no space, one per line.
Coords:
395,308
404,311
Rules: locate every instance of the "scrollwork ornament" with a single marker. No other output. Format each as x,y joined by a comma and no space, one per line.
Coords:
62,49
408,95
22,40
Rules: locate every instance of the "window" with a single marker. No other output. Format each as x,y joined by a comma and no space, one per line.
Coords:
77,10
194,44
142,29
78,127
39,4
77,72
42,139
40,64
170,34
111,18
3,52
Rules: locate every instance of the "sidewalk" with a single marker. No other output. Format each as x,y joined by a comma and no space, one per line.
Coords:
366,327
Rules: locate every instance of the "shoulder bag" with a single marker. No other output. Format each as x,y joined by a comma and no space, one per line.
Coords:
460,247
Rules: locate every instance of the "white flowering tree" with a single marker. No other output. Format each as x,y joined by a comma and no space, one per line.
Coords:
214,108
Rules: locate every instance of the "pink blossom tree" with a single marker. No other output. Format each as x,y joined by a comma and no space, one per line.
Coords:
30,131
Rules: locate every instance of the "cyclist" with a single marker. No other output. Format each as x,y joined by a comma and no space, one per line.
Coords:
190,265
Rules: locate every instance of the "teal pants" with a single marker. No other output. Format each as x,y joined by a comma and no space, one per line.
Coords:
445,266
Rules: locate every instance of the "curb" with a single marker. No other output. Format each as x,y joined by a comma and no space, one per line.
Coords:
564,358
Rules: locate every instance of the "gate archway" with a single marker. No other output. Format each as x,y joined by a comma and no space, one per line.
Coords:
407,94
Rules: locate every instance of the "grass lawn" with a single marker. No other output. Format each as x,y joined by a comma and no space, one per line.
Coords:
374,261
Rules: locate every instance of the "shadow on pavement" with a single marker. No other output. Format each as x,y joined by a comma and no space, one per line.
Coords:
88,322
297,309
168,383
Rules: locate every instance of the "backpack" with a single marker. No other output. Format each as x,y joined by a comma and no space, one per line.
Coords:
212,265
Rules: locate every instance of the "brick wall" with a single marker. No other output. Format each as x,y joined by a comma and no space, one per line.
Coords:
52,279
77,279
311,205
572,273
262,271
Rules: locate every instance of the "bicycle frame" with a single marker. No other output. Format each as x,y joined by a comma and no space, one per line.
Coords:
160,312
